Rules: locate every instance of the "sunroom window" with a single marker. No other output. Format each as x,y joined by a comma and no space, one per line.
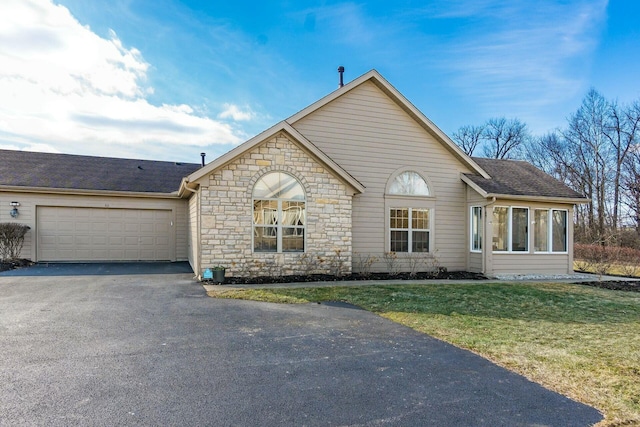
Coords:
550,230
279,214
510,229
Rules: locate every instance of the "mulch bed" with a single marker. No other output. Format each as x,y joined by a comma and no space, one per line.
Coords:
260,280
14,263
615,285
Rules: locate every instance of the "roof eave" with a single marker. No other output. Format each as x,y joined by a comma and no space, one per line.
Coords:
84,192
186,188
546,199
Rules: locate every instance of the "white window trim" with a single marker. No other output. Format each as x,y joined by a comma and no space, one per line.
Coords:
510,231
550,231
410,229
471,237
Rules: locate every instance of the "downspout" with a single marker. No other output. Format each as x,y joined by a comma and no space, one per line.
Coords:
485,232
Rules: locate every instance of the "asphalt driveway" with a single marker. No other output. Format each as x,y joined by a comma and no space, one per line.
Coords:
154,350
47,269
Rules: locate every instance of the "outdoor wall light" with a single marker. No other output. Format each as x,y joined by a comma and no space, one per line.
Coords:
14,212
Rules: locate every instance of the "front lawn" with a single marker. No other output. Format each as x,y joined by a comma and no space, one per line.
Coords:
581,341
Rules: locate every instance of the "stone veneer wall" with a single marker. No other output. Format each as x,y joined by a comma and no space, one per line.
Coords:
227,215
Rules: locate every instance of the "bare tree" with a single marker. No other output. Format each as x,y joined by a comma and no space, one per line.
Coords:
587,147
623,134
546,153
504,138
468,138
630,177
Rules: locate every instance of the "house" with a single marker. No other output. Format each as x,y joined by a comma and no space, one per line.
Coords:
361,177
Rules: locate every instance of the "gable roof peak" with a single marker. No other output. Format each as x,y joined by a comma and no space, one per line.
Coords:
387,88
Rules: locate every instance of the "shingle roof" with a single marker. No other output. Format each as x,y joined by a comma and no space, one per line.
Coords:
65,171
519,178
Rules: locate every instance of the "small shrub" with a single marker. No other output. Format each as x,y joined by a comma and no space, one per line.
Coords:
12,239
310,263
416,261
391,261
337,263
362,263
602,260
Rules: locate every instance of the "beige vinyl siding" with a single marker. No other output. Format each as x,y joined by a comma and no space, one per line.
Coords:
371,137
193,233
474,198
29,202
530,263
181,225
475,262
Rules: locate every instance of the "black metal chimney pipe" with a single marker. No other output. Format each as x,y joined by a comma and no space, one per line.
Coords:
203,155
341,72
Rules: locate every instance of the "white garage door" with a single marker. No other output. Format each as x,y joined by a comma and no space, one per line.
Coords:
92,234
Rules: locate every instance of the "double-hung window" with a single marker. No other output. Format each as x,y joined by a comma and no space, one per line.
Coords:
279,214
550,230
510,229
409,229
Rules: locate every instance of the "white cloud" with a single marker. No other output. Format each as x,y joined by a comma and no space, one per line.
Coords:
234,112
62,87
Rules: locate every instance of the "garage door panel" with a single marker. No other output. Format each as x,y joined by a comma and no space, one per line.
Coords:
66,226
85,241
116,227
162,228
100,234
147,228
131,240
83,226
134,227
99,226
66,240
99,254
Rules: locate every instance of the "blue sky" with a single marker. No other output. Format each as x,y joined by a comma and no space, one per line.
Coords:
167,80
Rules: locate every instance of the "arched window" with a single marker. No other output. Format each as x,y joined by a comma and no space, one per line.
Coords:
409,213
409,184
279,214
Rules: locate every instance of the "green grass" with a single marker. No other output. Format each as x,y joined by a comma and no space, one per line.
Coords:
580,341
